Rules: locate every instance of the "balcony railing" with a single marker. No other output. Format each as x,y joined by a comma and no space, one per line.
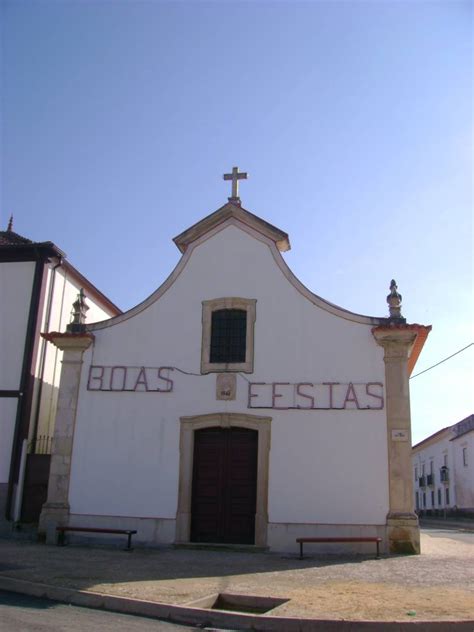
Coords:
422,481
444,474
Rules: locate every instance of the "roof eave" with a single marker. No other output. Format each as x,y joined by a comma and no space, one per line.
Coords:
27,252
222,214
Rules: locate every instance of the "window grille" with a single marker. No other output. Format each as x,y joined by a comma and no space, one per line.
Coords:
228,335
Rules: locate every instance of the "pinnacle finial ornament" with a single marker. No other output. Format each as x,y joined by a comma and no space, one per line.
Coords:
78,314
394,300
10,224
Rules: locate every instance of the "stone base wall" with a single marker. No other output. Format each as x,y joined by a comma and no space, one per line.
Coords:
281,536
403,534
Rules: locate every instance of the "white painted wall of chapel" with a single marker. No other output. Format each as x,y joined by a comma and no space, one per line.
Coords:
326,466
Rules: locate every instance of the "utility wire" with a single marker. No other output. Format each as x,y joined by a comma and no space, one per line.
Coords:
441,361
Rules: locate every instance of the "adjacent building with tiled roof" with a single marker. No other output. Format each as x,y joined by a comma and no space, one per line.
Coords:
37,288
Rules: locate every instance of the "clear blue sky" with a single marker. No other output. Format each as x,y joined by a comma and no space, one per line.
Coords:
353,119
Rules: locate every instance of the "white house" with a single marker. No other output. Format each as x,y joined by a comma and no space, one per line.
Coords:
443,471
233,405
37,288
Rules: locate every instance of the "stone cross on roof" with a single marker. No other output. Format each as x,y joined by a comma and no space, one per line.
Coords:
235,176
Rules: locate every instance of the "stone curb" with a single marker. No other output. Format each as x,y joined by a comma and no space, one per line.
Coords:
213,618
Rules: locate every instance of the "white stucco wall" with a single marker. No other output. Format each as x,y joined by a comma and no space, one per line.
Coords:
325,465
16,283
464,472
435,453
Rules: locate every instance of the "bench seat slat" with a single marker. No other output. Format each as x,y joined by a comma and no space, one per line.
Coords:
98,530
348,539
128,532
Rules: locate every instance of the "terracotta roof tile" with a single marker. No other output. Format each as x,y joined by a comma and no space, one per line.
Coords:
10,238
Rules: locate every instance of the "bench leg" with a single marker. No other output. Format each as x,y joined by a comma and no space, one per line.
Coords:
301,550
378,550
60,541
129,542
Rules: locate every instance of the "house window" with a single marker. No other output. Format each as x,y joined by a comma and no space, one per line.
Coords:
439,497
447,495
416,474
445,460
424,500
431,467
464,457
228,335
417,500
432,499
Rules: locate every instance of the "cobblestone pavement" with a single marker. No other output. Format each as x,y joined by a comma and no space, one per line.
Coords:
437,585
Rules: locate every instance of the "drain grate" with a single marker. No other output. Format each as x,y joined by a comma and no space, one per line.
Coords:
247,604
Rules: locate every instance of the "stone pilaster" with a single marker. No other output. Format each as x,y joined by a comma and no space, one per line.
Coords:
55,511
403,531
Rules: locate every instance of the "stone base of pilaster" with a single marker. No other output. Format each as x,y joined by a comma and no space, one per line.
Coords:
52,515
183,523
403,533
261,526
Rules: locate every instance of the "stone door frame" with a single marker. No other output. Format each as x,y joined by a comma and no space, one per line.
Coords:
186,455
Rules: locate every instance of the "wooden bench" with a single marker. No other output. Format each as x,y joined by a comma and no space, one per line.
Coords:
128,532
375,539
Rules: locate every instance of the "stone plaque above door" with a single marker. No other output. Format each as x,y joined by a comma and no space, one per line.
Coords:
226,386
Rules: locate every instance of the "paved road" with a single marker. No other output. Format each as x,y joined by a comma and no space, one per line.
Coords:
453,534
20,613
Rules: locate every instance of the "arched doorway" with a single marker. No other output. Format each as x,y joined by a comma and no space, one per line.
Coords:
213,479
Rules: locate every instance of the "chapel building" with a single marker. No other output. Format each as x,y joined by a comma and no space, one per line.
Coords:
234,406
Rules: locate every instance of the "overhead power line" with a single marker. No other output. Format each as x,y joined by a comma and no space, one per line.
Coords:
441,361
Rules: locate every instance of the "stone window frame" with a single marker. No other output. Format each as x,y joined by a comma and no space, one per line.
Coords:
231,302
188,425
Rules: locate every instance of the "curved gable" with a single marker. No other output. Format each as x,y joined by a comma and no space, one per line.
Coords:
263,236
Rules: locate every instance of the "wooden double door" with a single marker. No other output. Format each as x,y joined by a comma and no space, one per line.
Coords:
224,488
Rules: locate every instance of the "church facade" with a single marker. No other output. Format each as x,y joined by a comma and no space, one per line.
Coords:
235,406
